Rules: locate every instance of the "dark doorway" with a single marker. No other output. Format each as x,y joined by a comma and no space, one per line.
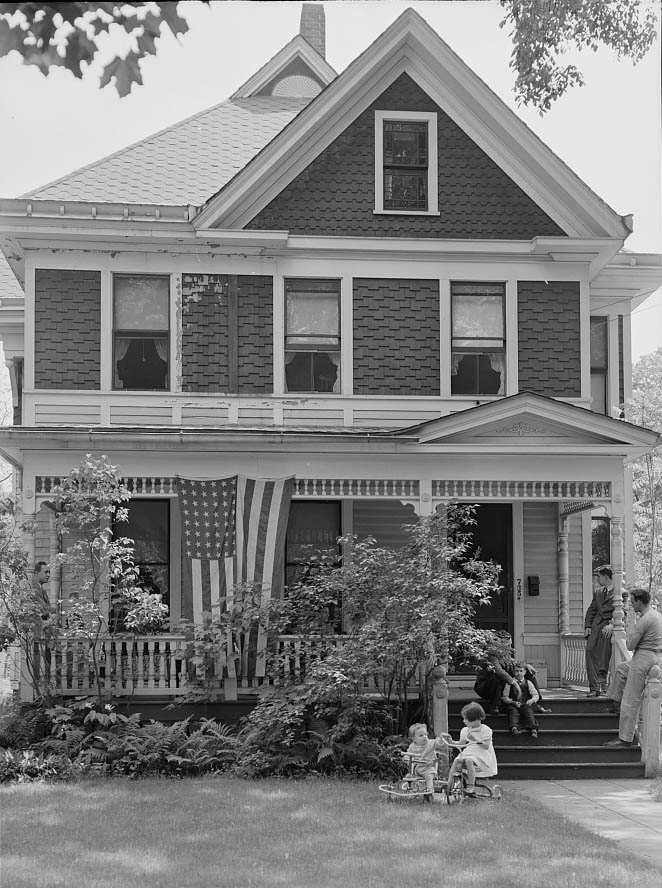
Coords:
493,535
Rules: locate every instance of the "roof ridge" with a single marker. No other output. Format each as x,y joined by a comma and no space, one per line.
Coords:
144,141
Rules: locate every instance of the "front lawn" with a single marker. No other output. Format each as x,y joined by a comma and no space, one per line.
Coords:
219,832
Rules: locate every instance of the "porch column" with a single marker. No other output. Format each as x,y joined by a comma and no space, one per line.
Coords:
563,565
425,497
563,571
619,651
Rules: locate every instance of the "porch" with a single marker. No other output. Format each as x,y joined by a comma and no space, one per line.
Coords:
146,674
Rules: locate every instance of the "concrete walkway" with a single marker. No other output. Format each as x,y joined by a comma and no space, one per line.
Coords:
620,810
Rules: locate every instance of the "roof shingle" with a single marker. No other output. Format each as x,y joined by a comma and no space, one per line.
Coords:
184,164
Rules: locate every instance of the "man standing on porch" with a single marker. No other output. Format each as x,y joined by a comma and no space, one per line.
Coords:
644,639
598,631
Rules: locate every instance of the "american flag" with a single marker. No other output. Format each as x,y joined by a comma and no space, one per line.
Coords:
233,532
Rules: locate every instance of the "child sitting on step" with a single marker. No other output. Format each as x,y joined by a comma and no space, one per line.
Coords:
520,706
476,749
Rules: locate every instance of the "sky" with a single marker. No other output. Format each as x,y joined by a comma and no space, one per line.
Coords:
609,131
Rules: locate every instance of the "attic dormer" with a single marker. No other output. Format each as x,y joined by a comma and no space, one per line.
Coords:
299,70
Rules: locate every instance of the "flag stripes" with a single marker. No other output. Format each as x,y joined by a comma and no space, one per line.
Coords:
233,532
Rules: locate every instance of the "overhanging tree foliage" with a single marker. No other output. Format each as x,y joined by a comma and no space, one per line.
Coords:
646,410
543,30
70,34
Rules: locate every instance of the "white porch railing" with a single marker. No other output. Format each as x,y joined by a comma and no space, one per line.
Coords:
156,665
127,666
573,659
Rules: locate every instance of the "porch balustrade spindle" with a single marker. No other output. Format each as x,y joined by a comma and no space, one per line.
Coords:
151,647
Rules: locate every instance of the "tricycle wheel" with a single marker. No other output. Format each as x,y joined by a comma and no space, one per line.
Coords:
454,792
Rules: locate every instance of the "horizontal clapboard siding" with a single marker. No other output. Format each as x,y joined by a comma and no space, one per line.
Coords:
383,520
73,414
550,655
205,416
541,612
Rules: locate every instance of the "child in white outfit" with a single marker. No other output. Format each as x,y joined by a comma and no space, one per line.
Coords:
477,752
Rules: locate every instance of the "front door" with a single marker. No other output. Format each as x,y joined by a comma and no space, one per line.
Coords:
493,536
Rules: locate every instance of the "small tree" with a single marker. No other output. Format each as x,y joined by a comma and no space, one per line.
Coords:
21,607
406,611
646,410
103,582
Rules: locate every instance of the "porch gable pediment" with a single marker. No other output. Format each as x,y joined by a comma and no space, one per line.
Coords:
532,420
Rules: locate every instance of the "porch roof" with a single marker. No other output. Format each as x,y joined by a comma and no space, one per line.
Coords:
521,424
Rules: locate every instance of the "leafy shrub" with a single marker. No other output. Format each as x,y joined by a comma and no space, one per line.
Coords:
19,728
287,736
27,766
136,750
94,740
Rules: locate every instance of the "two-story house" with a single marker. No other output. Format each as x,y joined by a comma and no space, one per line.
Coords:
380,282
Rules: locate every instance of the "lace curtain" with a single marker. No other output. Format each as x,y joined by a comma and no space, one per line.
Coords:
497,363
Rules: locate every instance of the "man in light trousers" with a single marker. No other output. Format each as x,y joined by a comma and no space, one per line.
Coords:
644,639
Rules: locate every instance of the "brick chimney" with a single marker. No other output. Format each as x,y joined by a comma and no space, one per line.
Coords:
312,26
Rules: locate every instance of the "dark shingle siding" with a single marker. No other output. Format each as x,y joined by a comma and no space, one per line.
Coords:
548,325
205,333
334,195
67,329
255,331
396,337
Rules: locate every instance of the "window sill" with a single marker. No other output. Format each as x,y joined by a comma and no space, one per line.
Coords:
377,212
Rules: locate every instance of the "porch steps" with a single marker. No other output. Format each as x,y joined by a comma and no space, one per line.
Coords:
569,744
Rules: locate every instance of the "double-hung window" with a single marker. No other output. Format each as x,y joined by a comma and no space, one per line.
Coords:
312,335
406,162
599,363
141,332
478,341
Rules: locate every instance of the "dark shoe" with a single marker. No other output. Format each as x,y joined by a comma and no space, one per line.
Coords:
593,694
621,744
470,791
538,707
515,731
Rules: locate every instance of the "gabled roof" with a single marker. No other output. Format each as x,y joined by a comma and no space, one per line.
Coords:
296,58
184,163
531,422
411,46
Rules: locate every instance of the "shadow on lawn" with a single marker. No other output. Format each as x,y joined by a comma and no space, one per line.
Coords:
225,832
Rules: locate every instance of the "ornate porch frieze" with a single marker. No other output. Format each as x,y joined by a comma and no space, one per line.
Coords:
403,489
543,490
407,488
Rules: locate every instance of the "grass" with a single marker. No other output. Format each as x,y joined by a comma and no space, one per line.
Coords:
220,832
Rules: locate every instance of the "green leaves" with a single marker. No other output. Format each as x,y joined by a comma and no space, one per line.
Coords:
66,35
542,31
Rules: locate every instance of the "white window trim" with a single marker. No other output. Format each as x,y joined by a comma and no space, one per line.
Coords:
345,296
108,330
433,184
510,335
